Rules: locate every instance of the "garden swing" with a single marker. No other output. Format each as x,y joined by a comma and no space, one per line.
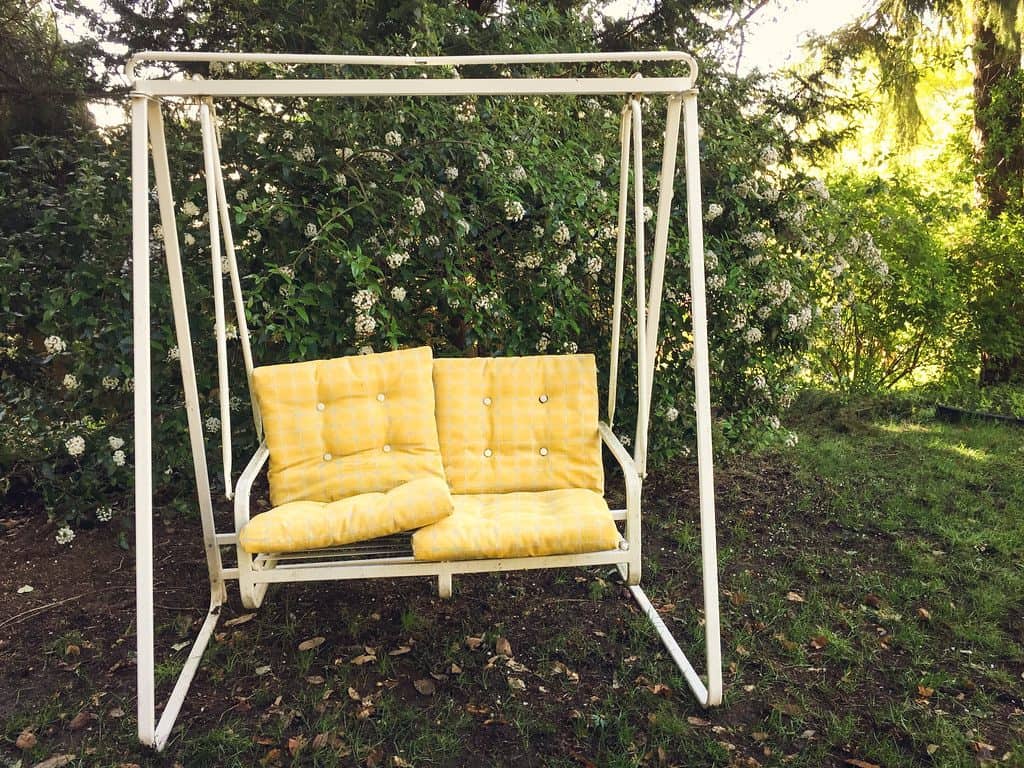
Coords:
495,461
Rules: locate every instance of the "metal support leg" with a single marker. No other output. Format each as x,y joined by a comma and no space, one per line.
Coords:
444,585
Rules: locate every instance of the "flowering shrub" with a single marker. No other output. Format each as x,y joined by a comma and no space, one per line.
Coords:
481,226
888,290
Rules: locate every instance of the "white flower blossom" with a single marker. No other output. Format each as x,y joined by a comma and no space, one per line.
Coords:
671,414
538,231
710,259
792,439
509,156
116,443
344,153
398,293
752,335
778,290
173,354
625,440
311,230
110,382
340,179
64,536
212,424
773,422
364,299
451,173
393,139
593,265
648,213
739,322
70,382
462,226
769,156
483,160
571,347
287,135
395,259
230,331
190,209
543,342
716,282
518,173
54,345
514,210
597,162
242,195
754,239
799,320
118,458
255,235
561,234
75,445
416,206
755,259
817,188
439,195
366,350
365,325
104,514
713,212
465,112
304,154
189,239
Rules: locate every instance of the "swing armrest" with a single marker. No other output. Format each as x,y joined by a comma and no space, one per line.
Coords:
618,450
244,486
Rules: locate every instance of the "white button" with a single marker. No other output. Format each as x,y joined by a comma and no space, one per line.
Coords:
320,406
487,401
327,457
487,453
387,449
543,451
543,398
380,397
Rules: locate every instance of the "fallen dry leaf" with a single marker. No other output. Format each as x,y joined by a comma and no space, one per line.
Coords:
924,614
243,619
262,670
72,650
57,761
861,763
872,601
924,691
365,658
425,686
295,744
320,741
24,590
273,756
787,708
315,679
931,749
116,712
981,746
516,684
659,689
313,642
818,642
473,642
456,669
375,757
400,762
26,740
400,651
354,694
700,722
795,597
82,720
503,647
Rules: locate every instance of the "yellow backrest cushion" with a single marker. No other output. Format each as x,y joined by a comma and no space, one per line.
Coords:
351,425
519,423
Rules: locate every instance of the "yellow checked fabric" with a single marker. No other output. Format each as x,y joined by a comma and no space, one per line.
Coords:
567,521
351,425
303,525
519,423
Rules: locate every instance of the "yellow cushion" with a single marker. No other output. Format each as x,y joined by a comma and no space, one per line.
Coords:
302,525
567,521
519,423
351,425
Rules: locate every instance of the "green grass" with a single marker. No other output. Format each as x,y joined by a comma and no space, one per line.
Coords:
902,537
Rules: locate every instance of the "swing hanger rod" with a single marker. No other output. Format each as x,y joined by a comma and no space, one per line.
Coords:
622,57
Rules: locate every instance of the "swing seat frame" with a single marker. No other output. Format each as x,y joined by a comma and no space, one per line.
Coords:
391,557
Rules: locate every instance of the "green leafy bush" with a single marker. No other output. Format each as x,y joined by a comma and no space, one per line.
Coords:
481,226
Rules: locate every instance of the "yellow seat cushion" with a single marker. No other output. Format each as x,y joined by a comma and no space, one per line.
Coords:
519,423
303,525
523,524
352,425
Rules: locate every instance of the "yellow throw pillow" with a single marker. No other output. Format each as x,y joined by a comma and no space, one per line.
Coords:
336,428
304,525
519,423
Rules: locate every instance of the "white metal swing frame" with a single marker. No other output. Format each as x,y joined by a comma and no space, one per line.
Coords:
386,558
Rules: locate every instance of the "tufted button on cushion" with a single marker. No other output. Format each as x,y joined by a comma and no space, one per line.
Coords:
387,448
487,401
514,428
326,454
